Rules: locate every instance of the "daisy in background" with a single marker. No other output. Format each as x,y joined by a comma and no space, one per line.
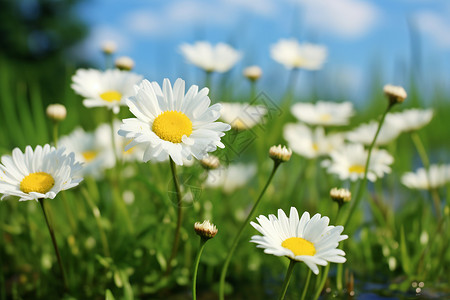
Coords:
230,178
437,176
293,55
109,88
323,113
349,161
38,174
93,149
170,123
242,116
412,119
364,133
218,58
311,143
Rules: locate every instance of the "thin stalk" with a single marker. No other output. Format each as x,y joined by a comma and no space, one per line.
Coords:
362,186
305,289
55,133
241,230
55,245
179,217
339,272
287,279
252,90
292,82
208,75
197,261
322,282
113,141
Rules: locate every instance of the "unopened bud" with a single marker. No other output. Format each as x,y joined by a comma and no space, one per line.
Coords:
253,73
280,154
341,196
56,112
109,47
124,63
206,229
395,94
210,162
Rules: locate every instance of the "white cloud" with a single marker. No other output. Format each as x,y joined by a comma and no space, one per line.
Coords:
434,26
345,18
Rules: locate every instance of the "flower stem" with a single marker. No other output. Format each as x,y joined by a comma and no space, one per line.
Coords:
55,246
223,274
362,186
305,289
252,90
322,282
55,133
287,279
197,261
179,217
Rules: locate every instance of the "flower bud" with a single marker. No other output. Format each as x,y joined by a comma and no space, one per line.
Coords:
253,73
280,154
56,112
124,63
341,196
395,94
205,230
109,47
210,162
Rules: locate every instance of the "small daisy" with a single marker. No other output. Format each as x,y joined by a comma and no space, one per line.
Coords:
306,239
109,88
38,174
230,178
311,143
92,149
437,176
171,123
292,54
412,119
349,162
219,58
323,113
242,116
364,133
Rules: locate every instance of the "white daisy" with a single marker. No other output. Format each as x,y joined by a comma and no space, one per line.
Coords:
92,149
38,174
365,133
323,113
349,162
230,178
412,119
171,123
109,88
437,176
242,115
292,54
219,58
306,239
311,143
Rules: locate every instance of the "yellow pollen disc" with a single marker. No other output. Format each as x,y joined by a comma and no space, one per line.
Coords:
171,126
39,182
299,246
325,117
357,169
89,155
111,96
315,147
238,124
298,62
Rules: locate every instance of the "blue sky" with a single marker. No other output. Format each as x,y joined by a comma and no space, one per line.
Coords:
358,34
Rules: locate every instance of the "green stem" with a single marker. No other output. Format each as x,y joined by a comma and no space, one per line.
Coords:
339,272
179,217
362,186
55,245
208,75
322,282
241,230
197,261
287,279
305,289
113,141
55,133
252,90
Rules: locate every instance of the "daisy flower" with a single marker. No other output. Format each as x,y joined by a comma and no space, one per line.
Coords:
230,178
242,116
323,113
437,176
109,88
311,143
171,123
310,240
93,149
292,54
349,162
365,133
219,58
412,119
38,174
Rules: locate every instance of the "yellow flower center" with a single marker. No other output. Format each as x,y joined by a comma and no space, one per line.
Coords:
89,155
357,169
238,124
315,147
325,117
298,62
39,182
299,246
111,96
171,126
